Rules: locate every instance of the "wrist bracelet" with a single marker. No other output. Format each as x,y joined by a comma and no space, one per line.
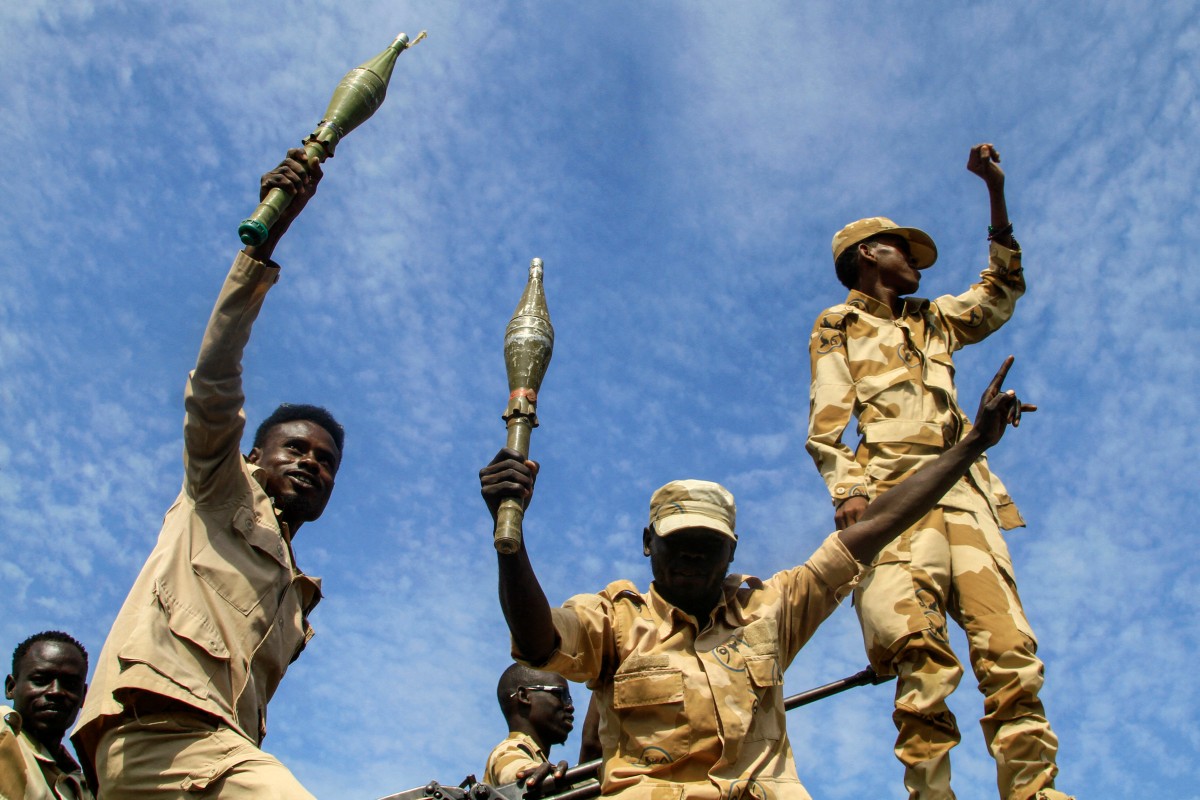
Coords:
1005,231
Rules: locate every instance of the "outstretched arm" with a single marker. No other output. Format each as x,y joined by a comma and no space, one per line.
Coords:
984,161
904,504
521,597
213,399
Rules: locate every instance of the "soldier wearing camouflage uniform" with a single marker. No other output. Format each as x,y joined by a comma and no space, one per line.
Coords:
689,674
539,712
885,359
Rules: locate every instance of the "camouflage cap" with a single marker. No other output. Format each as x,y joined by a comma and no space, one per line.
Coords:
693,504
919,242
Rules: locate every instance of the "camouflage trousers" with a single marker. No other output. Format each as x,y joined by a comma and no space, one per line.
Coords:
955,563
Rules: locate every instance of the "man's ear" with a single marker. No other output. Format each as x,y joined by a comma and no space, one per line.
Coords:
865,252
732,551
254,456
646,534
10,683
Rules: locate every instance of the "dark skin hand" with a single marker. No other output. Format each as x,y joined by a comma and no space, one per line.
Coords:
904,504
984,161
298,175
852,510
541,778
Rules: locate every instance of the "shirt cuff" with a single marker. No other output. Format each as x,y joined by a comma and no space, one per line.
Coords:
1004,260
834,565
251,270
844,491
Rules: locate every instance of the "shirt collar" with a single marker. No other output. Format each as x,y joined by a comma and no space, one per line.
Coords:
42,753
877,308
727,607
526,739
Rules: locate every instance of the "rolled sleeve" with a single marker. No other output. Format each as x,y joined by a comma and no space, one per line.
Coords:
583,629
834,566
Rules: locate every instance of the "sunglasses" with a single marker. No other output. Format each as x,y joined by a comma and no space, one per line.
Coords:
561,692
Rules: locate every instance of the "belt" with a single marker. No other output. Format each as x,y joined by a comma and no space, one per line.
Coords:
139,705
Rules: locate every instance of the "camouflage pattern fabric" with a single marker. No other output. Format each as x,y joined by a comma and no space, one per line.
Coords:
955,564
895,375
519,751
691,713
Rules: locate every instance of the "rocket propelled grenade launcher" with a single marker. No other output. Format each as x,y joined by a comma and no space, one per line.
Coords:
528,346
355,99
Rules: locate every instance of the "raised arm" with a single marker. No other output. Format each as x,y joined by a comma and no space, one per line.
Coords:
984,161
525,607
213,399
904,504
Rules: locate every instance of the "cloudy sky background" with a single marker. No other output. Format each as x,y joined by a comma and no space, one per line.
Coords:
680,167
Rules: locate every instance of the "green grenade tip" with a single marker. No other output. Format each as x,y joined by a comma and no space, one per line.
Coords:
252,232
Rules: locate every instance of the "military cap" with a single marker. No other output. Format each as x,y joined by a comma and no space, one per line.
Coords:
919,242
693,504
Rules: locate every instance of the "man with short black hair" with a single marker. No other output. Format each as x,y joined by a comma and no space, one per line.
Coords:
538,709
884,358
179,699
689,675
46,686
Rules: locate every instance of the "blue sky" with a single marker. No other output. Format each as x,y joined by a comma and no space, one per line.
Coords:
681,168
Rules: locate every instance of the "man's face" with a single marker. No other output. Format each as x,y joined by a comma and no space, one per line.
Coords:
300,461
897,268
551,713
48,689
689,565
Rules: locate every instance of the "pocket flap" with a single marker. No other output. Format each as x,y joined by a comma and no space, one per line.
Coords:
868,386
904,431
191,625
647,688
764,671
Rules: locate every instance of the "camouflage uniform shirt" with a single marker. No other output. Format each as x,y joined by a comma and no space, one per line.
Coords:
517,752
696,711
896,376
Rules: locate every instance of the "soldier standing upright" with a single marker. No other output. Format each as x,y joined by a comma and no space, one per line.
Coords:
885,358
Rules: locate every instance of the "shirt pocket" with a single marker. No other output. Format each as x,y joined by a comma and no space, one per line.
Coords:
766,678
178,642
868,387
244,568
654,726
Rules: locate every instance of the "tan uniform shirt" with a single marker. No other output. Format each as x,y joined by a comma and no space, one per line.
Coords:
697,712
28,771
220,609
519,751
896,376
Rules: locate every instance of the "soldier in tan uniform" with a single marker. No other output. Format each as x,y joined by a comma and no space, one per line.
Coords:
178,704
46,687
885,358
538,709
689,674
